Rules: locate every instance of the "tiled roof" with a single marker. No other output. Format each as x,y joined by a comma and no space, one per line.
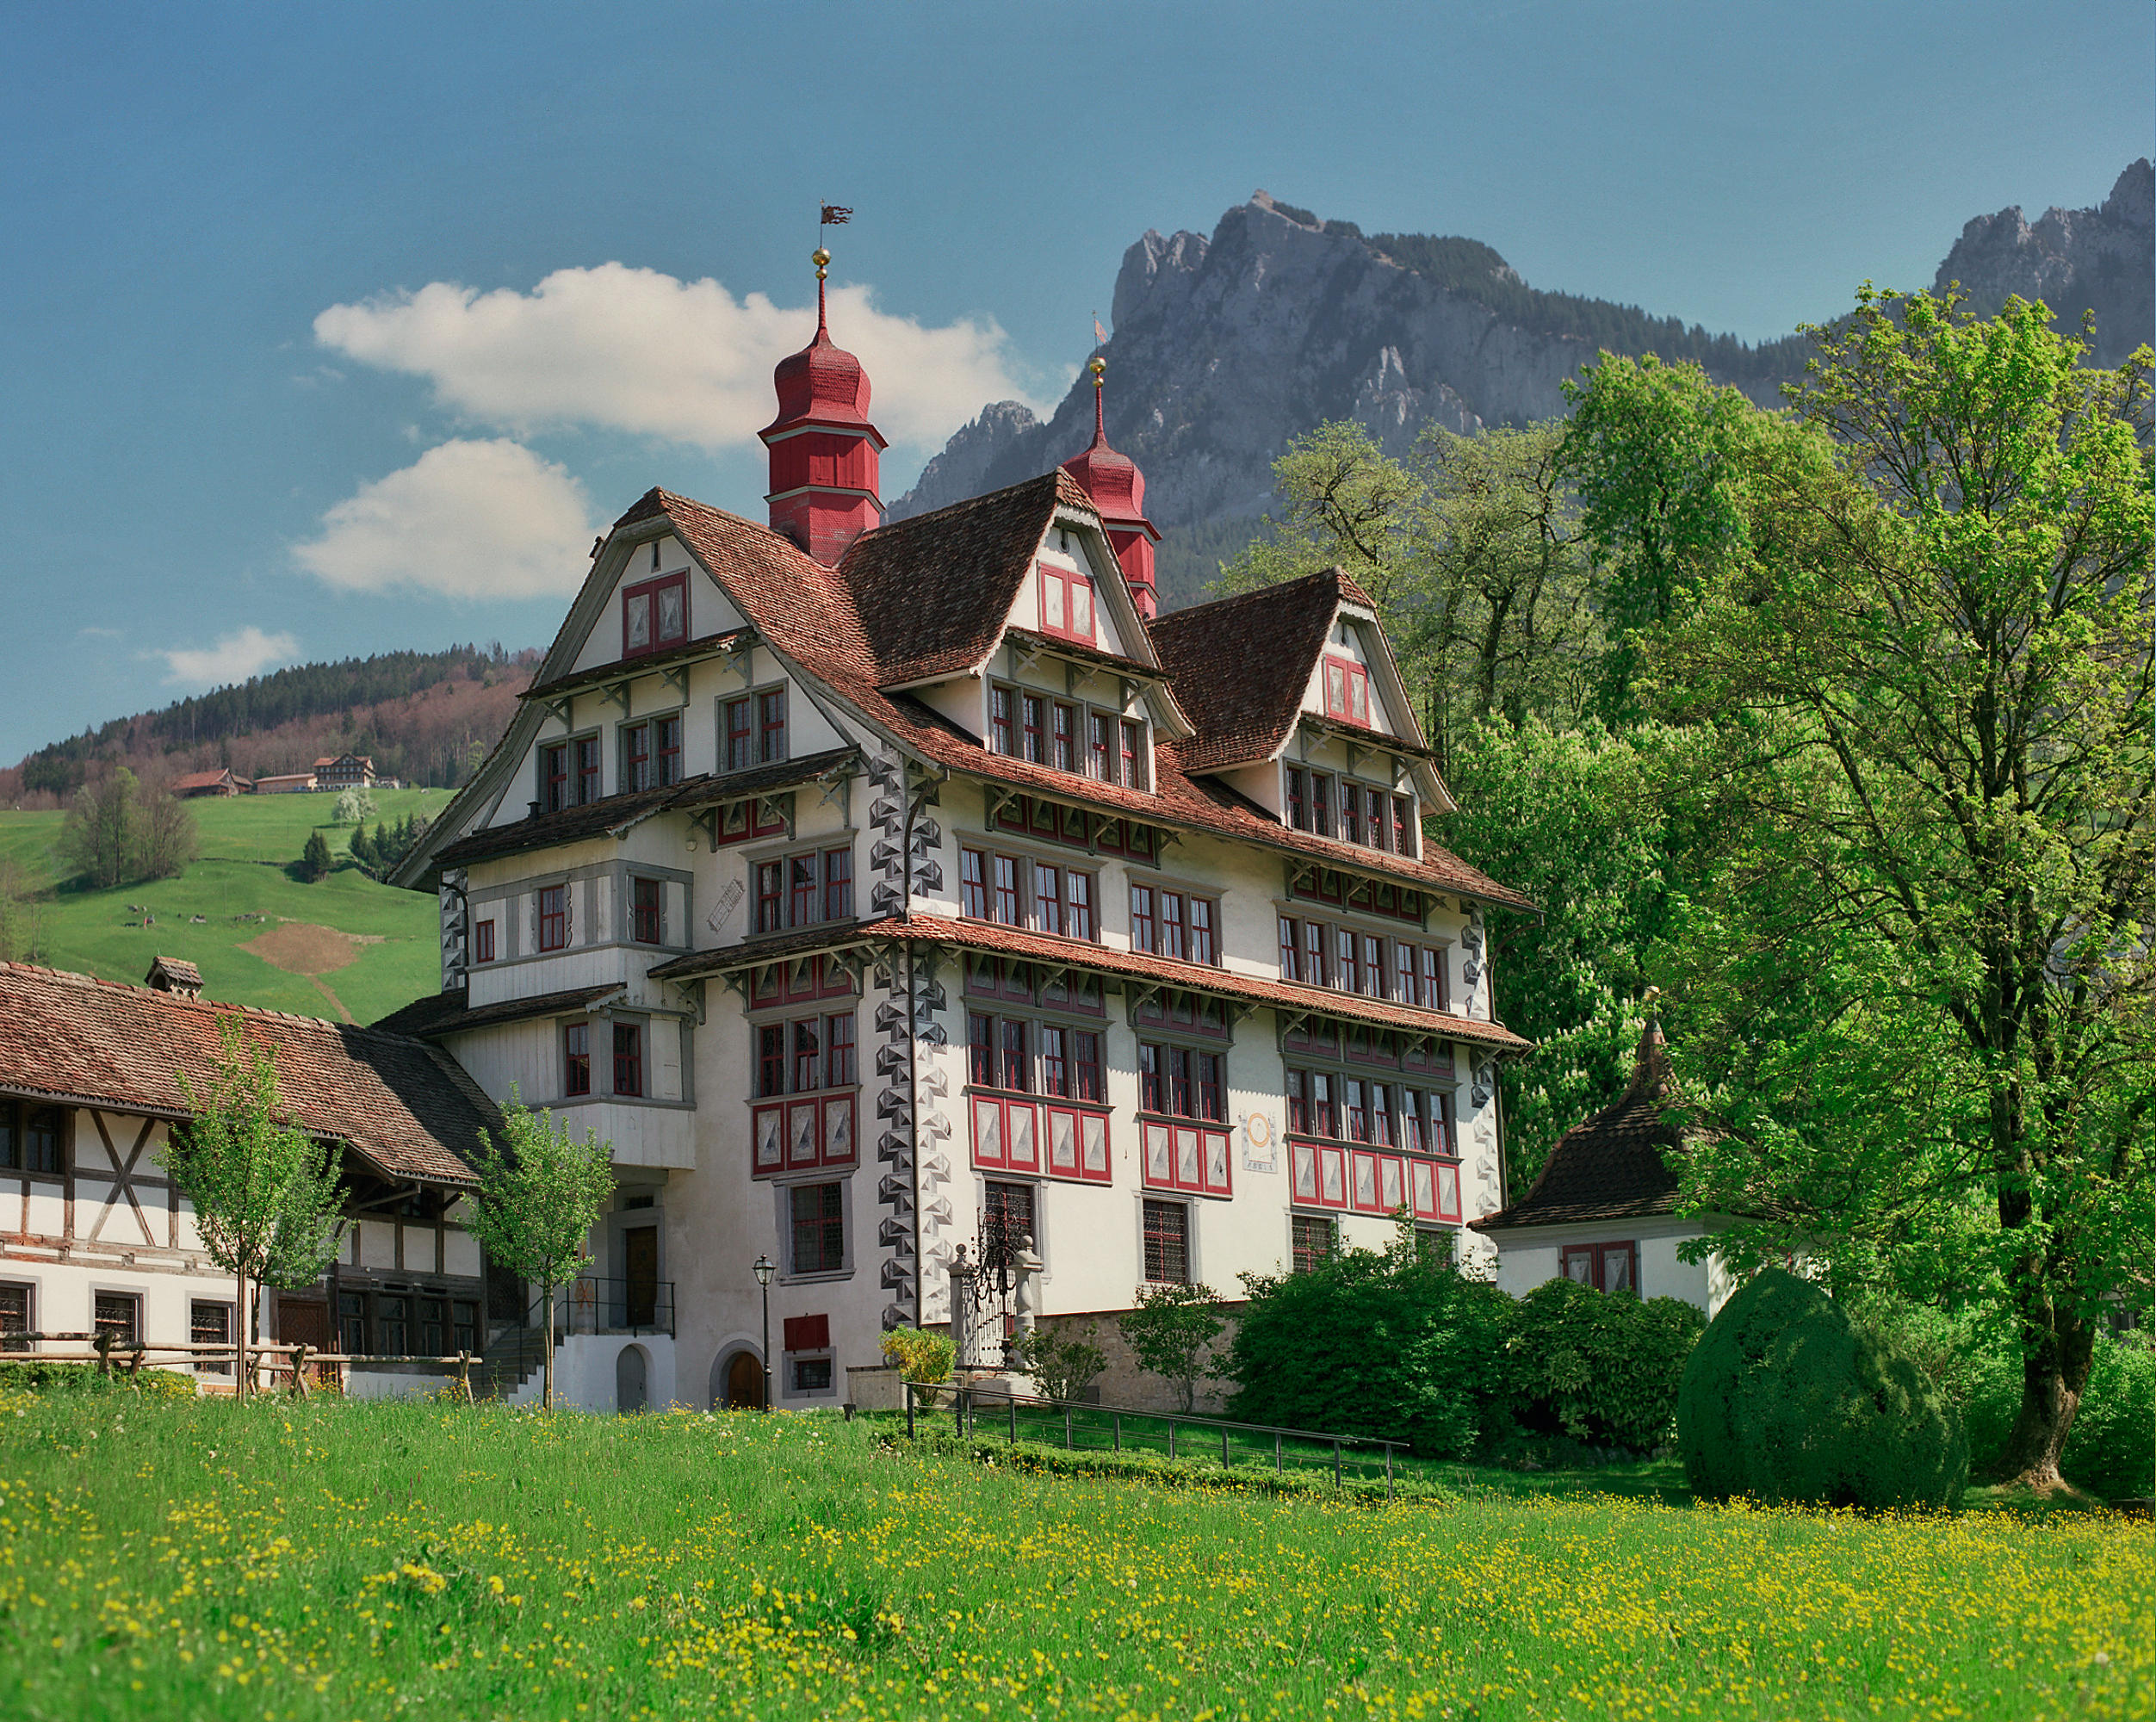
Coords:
177,971
934,591
1242,666
451,1013
1035,947
404,1108
1614,1166
612,814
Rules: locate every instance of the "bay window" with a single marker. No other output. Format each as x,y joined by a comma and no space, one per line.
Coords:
576,1058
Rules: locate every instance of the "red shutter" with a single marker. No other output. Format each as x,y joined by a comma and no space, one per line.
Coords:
808,1333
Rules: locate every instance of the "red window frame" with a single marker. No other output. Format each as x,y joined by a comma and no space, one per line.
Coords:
1142,924
1347,691
587,750
1100,747
1344,960
637,758
1203,948
554,917
1321,804
576,1058
804,888
1009,910
1404,826
771,897
1078,921
1134,774
1014,1062
1313,1239
837,884
661,628
805,1052
1591,1264
1350,812
973,884
1186,1155
1166,1229
1370,976
628,1059
647,905
1062,737
1048,899
1033,725
817,1214
1314,949
1055,1061
1060,599
666,748
1436,982
771,1060
553,776
1000,737
483,942
741,735
770,726
1298,811
1290,948
1087,1081
1171,925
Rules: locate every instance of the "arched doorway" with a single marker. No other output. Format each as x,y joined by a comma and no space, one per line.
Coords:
739,1382
630,1366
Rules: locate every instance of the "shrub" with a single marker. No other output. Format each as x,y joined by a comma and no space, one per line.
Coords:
35,1375
1785,1399
1062,1365
315,860
1170,1332
1395,1345
1602,1368
922,1358
2108,1450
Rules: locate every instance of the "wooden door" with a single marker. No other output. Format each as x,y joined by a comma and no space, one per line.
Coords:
745,1381
305,1321
640,1268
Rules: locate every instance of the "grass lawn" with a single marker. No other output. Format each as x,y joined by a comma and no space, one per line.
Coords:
241,891
330,1560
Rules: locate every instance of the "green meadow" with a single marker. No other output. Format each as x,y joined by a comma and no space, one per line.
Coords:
343,946
163,1558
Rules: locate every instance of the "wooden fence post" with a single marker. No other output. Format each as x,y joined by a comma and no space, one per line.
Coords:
464,1373
299,1370
104,1353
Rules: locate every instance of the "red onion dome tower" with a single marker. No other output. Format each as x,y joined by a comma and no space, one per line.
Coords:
1118,490
823,449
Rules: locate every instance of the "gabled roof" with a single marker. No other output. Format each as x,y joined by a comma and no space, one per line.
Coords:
1614,1166
1241,665
912,612
933,591
405,1108
437,1014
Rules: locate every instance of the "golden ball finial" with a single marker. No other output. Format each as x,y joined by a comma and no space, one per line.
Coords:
821,259
1099,367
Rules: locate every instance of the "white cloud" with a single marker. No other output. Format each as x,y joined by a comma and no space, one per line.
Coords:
637,350
466,519
233,659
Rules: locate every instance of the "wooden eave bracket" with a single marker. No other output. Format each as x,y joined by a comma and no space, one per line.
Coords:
835,786
563,706
738,653
692,991
675,677
996,798
617,692
779,807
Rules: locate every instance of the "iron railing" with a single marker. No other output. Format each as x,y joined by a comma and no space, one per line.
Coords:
591,1304
1076,1427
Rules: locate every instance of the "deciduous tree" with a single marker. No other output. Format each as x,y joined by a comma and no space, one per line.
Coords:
540,1190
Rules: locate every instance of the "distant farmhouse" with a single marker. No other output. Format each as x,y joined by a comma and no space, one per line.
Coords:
220,782
286,784
344,772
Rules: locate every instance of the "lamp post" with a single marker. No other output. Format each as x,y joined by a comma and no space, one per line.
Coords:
764,1270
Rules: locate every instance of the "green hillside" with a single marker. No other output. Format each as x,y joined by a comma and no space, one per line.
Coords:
259,936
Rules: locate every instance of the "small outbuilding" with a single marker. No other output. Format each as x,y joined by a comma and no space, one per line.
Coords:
1604,1210
220,782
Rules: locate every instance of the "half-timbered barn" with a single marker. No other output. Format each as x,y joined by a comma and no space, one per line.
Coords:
880,890
94,1240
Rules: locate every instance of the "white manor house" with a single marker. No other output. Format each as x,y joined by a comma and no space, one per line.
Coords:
881,890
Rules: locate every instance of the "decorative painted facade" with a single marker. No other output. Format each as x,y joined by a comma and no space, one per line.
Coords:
876,888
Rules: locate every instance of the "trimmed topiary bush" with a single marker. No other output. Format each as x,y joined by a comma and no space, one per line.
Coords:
1601,1368
1785,1399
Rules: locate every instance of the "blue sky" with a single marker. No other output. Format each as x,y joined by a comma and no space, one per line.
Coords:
335,330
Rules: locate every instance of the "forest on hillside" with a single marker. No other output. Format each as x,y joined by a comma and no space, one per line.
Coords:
426,718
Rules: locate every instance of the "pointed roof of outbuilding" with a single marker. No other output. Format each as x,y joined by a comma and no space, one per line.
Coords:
1614,1166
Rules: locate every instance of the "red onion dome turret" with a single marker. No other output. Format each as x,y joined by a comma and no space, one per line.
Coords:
1118,490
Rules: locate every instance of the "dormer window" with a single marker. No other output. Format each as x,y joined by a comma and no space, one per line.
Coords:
655,615
1066,604
1347,691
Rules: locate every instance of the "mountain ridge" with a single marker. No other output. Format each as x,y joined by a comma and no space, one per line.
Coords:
1226,346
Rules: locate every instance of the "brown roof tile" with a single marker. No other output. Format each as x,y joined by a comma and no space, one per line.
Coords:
402,1106
1241,665
1614,1166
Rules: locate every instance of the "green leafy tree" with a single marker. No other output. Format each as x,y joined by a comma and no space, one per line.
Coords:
352,807
540,1190
166,841
315,859
1062,1363
1602,1367
98,838
266,1197
1171,1332
1395,1344
1916,1002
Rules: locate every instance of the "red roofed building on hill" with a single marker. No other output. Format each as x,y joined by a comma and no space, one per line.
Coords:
895,897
